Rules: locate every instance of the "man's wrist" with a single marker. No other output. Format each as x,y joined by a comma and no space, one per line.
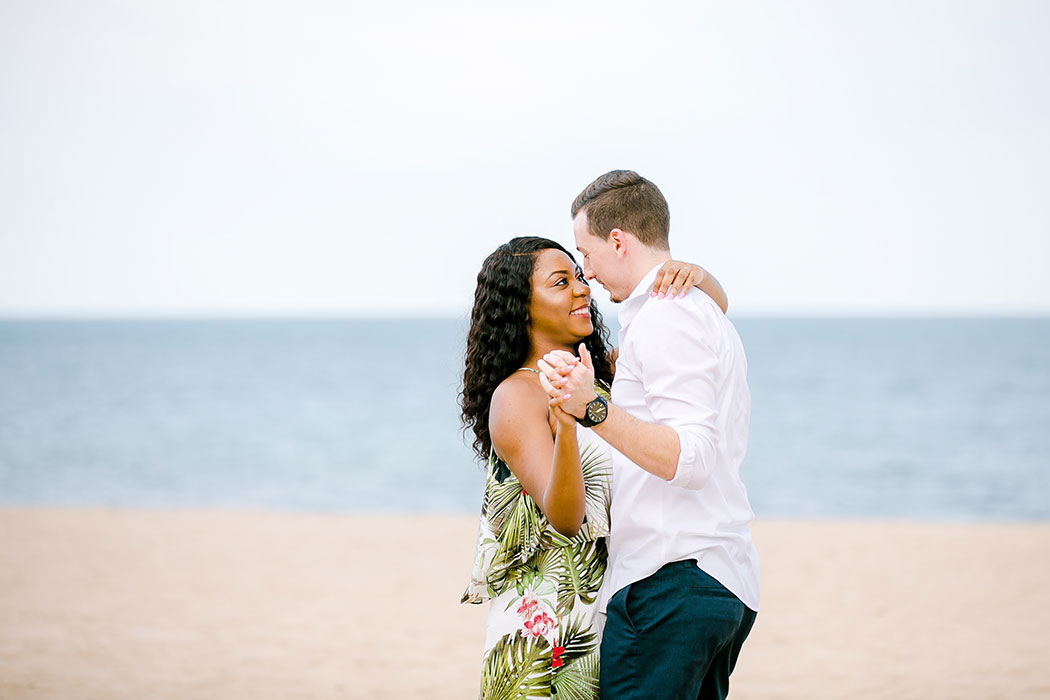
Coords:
583,406
597,411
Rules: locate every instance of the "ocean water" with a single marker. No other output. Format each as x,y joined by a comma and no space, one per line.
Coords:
944,419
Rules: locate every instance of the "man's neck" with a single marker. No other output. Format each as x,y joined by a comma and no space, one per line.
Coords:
644,260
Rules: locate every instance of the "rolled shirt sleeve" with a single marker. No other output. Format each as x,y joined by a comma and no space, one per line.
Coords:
676,346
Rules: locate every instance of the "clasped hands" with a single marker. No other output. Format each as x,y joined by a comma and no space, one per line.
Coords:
569,381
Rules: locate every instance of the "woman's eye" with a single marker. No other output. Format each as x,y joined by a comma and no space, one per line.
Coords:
561,281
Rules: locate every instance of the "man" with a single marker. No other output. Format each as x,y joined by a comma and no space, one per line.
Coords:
681,591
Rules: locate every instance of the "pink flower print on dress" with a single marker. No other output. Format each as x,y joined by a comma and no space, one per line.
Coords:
529,605
537,617
541,625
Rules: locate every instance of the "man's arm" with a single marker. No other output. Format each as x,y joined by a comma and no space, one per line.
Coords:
652,447
681,394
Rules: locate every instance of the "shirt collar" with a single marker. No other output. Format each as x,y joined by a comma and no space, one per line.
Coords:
630,306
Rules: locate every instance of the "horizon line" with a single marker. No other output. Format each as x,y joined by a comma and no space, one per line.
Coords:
414,315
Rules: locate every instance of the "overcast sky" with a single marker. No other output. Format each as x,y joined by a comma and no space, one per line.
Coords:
218,158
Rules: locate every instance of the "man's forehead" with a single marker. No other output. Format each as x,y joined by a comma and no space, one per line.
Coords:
577,230
581,240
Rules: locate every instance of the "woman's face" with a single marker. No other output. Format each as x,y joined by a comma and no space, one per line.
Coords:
560,306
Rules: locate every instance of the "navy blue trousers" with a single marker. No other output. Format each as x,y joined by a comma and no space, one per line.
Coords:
675,635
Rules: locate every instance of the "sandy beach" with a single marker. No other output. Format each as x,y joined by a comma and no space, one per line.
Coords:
142,604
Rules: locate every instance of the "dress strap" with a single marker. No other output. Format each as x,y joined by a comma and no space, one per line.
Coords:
527,369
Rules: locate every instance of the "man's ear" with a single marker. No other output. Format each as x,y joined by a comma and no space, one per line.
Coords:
619,239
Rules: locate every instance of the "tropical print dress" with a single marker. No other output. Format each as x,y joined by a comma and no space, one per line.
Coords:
543,629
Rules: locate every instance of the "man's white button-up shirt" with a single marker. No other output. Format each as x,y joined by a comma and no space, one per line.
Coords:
681,364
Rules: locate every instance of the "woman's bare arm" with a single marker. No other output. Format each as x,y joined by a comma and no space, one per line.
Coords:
548,466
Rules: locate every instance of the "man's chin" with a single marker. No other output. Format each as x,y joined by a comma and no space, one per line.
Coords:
612,295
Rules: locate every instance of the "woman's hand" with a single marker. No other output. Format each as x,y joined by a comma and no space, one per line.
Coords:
675,278
568,380
565,420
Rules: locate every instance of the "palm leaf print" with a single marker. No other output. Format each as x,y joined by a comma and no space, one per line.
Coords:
583,566
500,496
540,573
596,469
577,679
516,669
578,638
515,519
537,578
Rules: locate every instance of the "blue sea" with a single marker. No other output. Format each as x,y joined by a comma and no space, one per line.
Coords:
934,419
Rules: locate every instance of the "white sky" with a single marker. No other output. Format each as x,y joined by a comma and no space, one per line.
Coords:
216,158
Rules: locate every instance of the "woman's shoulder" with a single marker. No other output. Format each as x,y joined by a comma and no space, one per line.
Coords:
520,390
519,409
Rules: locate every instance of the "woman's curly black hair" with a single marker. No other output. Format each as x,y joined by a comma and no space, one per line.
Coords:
498,339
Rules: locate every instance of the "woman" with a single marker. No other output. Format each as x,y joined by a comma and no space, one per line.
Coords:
541,550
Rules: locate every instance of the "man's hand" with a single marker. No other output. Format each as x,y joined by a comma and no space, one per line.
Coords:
568,380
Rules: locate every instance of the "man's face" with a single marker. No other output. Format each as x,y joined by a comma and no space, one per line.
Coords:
600,261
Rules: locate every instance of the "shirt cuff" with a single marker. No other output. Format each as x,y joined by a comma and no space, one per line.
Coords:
689,473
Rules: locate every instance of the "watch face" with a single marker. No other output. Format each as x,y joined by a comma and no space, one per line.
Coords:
596,411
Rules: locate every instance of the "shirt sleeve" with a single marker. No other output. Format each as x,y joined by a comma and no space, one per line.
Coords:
677,352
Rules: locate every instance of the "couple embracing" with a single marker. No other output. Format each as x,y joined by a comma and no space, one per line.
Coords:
614,523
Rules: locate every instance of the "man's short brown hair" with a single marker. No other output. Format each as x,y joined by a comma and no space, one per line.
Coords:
625,200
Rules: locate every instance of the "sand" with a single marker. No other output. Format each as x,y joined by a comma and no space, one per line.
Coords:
142,604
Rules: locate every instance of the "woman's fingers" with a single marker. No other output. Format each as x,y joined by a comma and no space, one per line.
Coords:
664,276
557,401
565,419
546,372
553,380
694,276
677,282
558,363
672,278
675,278
558,358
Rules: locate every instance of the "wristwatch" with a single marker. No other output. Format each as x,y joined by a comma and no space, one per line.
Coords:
597,411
